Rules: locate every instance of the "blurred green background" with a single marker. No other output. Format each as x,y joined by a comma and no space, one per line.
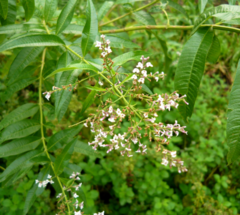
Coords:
141,185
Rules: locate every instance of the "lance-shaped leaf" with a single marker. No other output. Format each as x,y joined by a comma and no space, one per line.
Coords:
63,159
104,9
144,17
32,40
19,129
22,112
17,28
133,55
49,9
19,146
4,8
90,30
85,149
17,163
214,51
209,13
176,6
202,5
65,16
57,140
88,101
233,120
191,67
11,13
29,7
22,60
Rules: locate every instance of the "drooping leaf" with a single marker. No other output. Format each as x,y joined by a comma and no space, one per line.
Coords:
119,42
233,120
214,51
146,89
29,7
4,8
17,163
80,66
104,9
63,159
60,138
19,146
32,40
49,9
191,67
11,13
176,6
22,60
133,55
210,12
17,28
202,5
88,101
19,129
90,29
144,17
65,16
22,112
85,149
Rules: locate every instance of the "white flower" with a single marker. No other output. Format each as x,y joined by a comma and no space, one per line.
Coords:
108,41
173,154
155,114
141,80
75,195
152,120
148,64
98,44
85,124
110,110
135,140
36,181
76,204
164,162
100,83
156,78
134,77
40,184
108,49
48,95
136,70
138,151
118,112
144,72
140,65
104,54
160,99
111,127
111,119
81,205
122,115
102,36
77,213
145,115
49,176
59,195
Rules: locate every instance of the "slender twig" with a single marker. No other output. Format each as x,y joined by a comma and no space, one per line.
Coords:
138,9
42,125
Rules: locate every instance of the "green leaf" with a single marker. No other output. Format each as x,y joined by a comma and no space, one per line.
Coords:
4,8
19,129
65,16
49,9
19,146
73,29
202,5
63,159
233,22
11,13
232,2
210,12
88,101
17,163
60,138
22,60
214,51
233,120
29,7
104,9
227,16
95,88
144,18
176,6
90,29
17,28
85,149
191,67
146,89
133,55
63,97
22,112
80,66
32,40
118,42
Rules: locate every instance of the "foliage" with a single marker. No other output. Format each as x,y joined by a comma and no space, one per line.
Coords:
47,50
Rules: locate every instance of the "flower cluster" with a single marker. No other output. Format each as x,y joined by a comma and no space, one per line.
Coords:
104,46
45,182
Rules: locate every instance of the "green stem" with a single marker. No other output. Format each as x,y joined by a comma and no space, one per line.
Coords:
171,27
42,131
165,12
120,17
